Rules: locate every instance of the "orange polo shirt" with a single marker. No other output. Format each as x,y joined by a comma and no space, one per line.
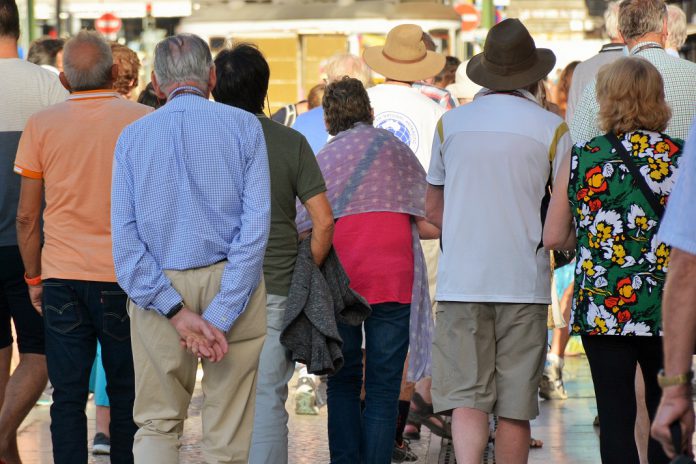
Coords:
71,147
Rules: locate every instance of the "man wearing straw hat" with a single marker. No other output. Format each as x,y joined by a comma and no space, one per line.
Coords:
412,117
491,162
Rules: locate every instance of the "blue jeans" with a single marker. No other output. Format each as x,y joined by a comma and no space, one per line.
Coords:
76,314
367,436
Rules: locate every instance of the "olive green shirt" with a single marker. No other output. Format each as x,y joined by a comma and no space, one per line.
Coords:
294,174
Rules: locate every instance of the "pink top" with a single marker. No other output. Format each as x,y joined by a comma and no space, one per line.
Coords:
376,252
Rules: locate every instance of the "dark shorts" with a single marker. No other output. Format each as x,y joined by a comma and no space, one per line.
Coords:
16,306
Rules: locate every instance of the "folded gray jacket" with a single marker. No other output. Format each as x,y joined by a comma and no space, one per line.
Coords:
317,299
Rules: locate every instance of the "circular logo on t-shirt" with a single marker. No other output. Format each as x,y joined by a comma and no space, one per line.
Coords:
400,125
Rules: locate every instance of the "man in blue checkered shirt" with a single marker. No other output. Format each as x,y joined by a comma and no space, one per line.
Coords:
190,222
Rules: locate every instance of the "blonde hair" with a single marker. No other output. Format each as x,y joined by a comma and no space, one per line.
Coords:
128,68
611,20
631,96
349,65
676,27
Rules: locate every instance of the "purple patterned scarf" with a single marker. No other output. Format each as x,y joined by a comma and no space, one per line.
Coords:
369,170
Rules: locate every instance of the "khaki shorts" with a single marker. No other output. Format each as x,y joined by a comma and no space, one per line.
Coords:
490,357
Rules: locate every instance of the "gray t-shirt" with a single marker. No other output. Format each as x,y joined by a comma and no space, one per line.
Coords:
26,89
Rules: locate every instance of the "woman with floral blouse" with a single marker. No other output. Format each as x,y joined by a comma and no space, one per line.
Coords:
599,209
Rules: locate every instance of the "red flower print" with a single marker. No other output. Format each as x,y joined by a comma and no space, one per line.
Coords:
612,302
626,292
595,204
582,193
595,179
623,316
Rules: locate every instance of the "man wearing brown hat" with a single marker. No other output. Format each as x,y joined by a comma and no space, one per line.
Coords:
487,181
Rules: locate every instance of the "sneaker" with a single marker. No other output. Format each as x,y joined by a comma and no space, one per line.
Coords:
403,453
101,444
306,400
551,386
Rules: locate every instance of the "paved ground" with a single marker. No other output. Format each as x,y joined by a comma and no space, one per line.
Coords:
564,426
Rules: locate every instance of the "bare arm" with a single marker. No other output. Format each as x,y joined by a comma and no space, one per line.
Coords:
435,204
559,232
679,325
426,230
320,213
29,233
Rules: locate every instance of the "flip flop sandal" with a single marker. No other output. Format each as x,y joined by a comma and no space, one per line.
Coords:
411,435
435,422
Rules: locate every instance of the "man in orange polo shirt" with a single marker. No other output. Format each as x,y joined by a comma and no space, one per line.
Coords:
67,151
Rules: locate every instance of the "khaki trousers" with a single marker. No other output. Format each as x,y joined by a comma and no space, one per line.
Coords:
165,377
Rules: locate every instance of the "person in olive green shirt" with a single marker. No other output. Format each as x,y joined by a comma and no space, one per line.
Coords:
242,81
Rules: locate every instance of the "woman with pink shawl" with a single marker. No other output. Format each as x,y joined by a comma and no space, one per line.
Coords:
376,187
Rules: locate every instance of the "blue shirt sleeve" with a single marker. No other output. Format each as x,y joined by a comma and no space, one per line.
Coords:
243,270
678,227
137,271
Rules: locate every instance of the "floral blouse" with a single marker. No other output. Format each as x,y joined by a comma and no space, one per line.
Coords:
620,264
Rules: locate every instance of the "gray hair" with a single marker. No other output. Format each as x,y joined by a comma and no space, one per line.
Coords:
611,20
87,70
349,65
182,58
676,27
640,17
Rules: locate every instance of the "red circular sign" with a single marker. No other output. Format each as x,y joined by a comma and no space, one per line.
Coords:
471,17
108,23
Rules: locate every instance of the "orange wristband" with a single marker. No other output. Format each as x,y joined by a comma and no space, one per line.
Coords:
33,281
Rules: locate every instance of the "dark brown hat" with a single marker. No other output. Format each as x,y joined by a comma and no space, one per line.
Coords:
510,59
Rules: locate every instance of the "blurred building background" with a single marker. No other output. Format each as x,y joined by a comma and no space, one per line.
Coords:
298,36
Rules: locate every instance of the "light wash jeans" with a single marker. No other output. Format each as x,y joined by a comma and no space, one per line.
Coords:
269,440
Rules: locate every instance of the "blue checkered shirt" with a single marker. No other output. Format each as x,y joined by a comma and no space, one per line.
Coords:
679,78
191,188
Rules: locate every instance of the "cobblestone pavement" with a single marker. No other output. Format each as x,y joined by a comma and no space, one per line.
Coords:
308,436
564,426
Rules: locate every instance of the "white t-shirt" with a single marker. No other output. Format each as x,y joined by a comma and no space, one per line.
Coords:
25,88
408,114
493,157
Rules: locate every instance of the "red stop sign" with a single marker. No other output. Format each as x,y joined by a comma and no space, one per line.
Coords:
471,17
108,23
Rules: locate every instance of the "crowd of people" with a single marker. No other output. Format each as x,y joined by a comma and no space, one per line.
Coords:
411,241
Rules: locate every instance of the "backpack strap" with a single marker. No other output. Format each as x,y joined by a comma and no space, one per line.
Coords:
647,192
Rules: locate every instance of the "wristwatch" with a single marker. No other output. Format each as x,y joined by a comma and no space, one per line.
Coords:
175,310
674,380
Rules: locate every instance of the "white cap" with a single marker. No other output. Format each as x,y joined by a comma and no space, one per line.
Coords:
463,87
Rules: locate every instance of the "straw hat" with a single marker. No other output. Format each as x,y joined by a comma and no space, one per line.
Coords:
510,59
404,56
463,87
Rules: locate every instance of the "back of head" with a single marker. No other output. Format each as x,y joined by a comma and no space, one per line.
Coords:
631,96
640,17
242,78
9,20
447,75
676,27
45,51
315,95
128,68
182,58
87,62
348,65
346,103
611,20
149,97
